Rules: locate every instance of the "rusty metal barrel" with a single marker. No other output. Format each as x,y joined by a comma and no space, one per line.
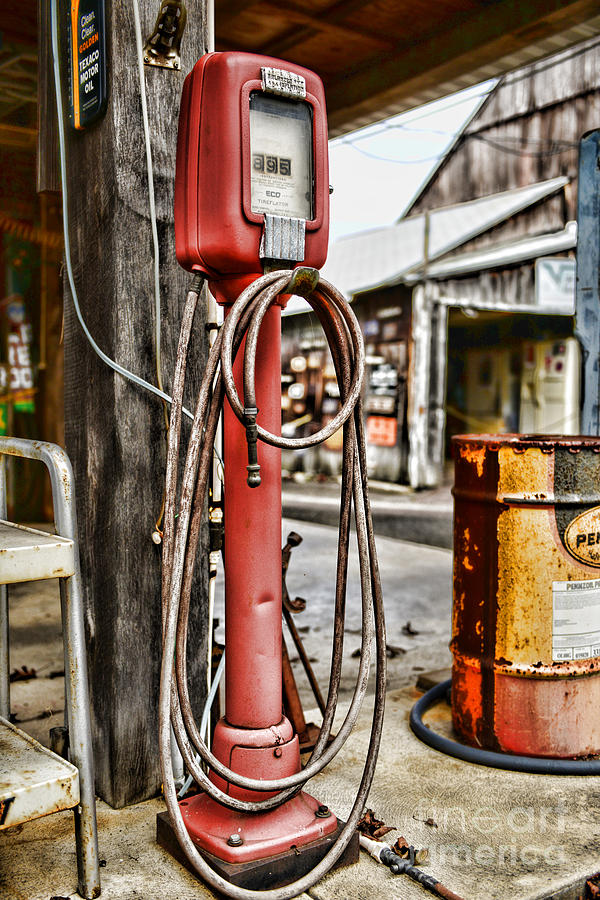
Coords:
526,604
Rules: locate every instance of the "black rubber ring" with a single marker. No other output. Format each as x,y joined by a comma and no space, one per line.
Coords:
535,765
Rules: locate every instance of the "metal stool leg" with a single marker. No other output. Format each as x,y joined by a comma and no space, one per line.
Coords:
78,710
76,681
4,652
80,746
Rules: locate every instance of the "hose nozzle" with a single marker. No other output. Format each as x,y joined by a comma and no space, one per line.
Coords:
253,467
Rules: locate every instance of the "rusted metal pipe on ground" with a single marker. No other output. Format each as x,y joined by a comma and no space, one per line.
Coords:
312,679
399,866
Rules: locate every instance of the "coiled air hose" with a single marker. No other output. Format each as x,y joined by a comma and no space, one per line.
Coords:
513,762
181,535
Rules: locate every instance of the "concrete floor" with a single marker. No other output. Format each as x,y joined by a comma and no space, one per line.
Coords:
497,835
421,517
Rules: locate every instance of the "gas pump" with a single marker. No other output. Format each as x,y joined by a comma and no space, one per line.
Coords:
251,218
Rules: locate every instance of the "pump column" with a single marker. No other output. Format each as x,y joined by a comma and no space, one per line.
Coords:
253,549
254,738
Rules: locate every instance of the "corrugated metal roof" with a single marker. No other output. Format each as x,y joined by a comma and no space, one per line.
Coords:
505,254
383,256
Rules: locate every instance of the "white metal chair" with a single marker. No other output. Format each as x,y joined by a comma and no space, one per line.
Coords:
34,781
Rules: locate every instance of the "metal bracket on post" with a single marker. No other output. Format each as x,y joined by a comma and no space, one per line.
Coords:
304,281
163,46
283,239
587,296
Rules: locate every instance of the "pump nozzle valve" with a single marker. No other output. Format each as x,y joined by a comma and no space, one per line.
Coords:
253,467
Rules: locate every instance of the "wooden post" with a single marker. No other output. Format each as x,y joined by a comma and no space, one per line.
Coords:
115,432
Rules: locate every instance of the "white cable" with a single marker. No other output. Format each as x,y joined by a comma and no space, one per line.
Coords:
210,26
205,716
151,197
65,209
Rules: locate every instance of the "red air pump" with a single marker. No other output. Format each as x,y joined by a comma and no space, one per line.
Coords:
252,197
252,184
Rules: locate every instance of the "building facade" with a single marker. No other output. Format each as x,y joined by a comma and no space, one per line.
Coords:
476,282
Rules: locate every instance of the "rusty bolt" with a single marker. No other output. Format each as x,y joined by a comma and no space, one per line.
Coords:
277,752
294,539
235,840
323,812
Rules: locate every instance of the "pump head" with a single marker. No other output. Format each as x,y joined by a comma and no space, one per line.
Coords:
252,181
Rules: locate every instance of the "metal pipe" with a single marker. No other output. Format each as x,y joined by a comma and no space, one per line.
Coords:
253,551
400,866
289,621
334,312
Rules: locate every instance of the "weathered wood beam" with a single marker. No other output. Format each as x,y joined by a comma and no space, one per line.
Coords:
411,73
18,22
17,136
587,316
47,175
115,432
330,22
227,11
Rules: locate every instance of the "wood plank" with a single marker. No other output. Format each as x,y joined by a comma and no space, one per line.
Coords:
48,177
325,24
17,136
498,155
115,431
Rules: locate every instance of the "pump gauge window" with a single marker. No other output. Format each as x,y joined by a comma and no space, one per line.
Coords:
281,153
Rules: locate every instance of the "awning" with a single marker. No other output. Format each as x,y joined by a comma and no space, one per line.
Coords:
386,256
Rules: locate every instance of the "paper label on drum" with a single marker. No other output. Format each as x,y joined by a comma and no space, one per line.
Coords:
575,620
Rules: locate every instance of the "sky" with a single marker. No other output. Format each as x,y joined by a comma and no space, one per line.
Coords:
375,172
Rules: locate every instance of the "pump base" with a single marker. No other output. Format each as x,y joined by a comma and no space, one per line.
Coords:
261,874
213,827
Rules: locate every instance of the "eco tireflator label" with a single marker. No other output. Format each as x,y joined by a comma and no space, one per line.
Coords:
87,62
575,620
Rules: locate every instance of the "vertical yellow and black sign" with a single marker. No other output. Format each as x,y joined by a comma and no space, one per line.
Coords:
88,62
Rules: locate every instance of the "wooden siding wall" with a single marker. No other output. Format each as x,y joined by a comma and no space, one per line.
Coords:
514,285
527,132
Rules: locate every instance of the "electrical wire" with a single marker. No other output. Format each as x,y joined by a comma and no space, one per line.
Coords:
151,196
130,376
179,554
555,147
368,132
402,162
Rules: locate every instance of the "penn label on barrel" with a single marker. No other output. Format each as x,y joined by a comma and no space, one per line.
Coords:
526,599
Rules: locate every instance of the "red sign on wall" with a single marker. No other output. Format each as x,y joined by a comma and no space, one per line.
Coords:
382,431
